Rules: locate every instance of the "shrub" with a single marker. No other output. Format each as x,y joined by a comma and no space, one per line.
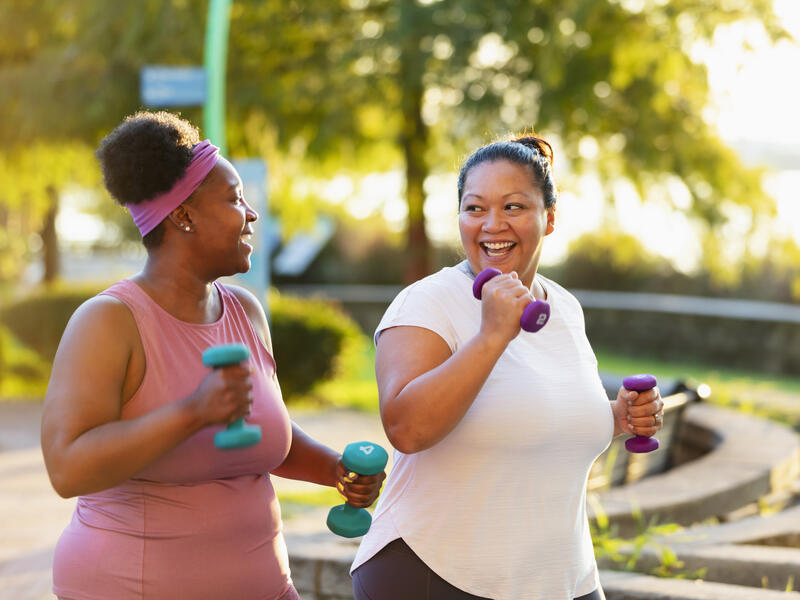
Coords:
22,371
38,320
309,337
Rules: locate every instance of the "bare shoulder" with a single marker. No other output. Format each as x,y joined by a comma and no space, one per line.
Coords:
254,311
91,370
404,353
102,314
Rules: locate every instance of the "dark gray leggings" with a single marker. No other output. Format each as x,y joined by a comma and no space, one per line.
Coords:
396,573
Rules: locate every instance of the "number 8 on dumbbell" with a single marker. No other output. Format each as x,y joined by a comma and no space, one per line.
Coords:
535,315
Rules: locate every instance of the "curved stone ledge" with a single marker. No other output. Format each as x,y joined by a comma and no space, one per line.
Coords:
749,566
634,586
750,458
758,551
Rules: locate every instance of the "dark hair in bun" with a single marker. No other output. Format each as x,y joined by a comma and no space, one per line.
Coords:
529,151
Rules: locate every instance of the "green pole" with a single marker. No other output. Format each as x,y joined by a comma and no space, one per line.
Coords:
216,56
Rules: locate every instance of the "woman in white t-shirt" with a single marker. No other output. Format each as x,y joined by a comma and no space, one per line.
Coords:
495,429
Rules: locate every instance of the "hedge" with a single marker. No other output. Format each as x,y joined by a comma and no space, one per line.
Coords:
769,347
308,335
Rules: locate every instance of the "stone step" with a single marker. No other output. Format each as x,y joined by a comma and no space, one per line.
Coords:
752,566
633,586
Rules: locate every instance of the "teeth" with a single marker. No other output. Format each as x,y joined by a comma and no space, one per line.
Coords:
498,245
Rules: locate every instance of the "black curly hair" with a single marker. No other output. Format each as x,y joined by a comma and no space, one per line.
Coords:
144,156
529,151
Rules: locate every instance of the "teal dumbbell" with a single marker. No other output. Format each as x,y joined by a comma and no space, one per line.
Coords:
238,434
364,458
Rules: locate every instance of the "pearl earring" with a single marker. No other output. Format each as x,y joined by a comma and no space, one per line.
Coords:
187,228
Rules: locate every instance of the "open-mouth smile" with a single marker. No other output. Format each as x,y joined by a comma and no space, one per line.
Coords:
493,249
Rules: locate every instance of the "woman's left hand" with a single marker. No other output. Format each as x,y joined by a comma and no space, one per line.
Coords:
359,490
639,413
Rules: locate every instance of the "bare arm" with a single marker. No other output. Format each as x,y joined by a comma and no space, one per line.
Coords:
424,389
309,460
86,447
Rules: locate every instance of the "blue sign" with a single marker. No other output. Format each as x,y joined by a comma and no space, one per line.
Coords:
162,86
254,185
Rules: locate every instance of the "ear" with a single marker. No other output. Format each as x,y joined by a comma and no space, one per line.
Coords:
551,220
181,218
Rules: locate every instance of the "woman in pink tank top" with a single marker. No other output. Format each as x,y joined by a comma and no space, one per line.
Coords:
131,411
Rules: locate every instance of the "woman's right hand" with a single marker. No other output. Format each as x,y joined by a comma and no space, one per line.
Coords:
504,298
224,395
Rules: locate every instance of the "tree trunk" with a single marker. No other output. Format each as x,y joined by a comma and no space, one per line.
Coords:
414,139
50,253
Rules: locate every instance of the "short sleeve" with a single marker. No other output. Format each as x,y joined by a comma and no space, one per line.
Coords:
422,304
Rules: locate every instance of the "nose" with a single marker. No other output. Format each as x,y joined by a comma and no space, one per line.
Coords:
250,214
494,221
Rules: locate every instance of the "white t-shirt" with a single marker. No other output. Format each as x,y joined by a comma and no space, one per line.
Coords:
498,507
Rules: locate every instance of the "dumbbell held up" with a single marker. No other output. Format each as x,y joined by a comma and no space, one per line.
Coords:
640,443
535,315
363,458
238,434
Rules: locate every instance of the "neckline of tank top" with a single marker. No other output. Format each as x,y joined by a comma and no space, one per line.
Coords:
217,287
464,267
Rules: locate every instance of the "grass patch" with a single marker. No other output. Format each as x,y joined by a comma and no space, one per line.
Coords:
612,362
298,503
775,397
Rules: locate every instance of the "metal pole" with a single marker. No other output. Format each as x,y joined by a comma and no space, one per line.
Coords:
215,61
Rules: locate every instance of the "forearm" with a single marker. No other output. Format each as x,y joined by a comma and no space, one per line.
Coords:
109,454
617,427
431,405
308,460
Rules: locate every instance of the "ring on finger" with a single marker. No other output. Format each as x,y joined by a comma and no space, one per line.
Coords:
656,419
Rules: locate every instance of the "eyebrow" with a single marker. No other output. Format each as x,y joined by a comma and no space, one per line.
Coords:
503,196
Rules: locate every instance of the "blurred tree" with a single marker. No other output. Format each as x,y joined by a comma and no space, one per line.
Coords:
32,180
68,73
612,80
370,84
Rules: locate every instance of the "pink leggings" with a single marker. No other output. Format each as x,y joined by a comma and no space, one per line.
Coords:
396,573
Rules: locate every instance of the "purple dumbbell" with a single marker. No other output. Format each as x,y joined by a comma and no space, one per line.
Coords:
535,315
640,443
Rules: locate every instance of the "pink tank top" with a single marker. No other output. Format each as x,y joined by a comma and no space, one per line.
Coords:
199,522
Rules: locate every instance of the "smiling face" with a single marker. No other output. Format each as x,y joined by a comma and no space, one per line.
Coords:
503,220
222,221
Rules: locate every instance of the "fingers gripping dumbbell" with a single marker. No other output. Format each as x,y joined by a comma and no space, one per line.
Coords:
535,315
238,434
363,458
640,383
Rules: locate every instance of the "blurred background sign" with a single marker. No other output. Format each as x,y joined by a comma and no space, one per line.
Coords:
166,86
303,247
254,181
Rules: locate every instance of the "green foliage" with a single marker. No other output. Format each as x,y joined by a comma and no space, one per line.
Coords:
607,259
22,371
626,554
354,386
309,337
376,84
39,319
28,194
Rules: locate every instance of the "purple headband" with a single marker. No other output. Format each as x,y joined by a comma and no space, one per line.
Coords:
151,212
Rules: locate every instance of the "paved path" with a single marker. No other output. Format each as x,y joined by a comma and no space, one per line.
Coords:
32,515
